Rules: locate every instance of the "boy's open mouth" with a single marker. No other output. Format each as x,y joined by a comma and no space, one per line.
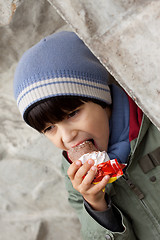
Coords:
79,150
91,140
87,141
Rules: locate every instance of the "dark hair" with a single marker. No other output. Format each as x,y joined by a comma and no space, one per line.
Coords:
55,109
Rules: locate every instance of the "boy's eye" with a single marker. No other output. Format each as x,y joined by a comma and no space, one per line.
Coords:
48,129
72,114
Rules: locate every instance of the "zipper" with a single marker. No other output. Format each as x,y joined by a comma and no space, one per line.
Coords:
133,187
140,196
136,189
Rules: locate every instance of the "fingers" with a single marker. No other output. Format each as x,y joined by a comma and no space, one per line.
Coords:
73,169
77,171
100,185
87,181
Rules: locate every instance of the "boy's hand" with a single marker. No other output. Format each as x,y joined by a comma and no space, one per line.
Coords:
92,193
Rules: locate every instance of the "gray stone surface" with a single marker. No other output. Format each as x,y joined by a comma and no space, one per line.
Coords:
125,36
33,199
7,10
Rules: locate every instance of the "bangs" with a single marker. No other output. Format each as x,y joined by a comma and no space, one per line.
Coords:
54,110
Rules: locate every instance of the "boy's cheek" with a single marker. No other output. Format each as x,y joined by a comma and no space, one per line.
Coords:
56,143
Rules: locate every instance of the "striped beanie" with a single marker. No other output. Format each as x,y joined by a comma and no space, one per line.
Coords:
59,65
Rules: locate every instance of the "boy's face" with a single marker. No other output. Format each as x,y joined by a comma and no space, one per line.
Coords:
89,121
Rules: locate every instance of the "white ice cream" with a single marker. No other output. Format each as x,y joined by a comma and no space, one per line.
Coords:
98,157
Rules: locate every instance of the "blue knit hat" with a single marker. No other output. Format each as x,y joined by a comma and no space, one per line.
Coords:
59,65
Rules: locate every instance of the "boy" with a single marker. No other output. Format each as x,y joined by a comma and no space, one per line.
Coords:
62,91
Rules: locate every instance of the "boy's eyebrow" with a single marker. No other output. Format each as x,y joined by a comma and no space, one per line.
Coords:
70,111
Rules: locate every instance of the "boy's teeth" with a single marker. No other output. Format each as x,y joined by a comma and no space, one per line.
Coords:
89,142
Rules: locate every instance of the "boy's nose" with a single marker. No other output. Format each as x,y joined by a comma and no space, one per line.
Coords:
68,135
